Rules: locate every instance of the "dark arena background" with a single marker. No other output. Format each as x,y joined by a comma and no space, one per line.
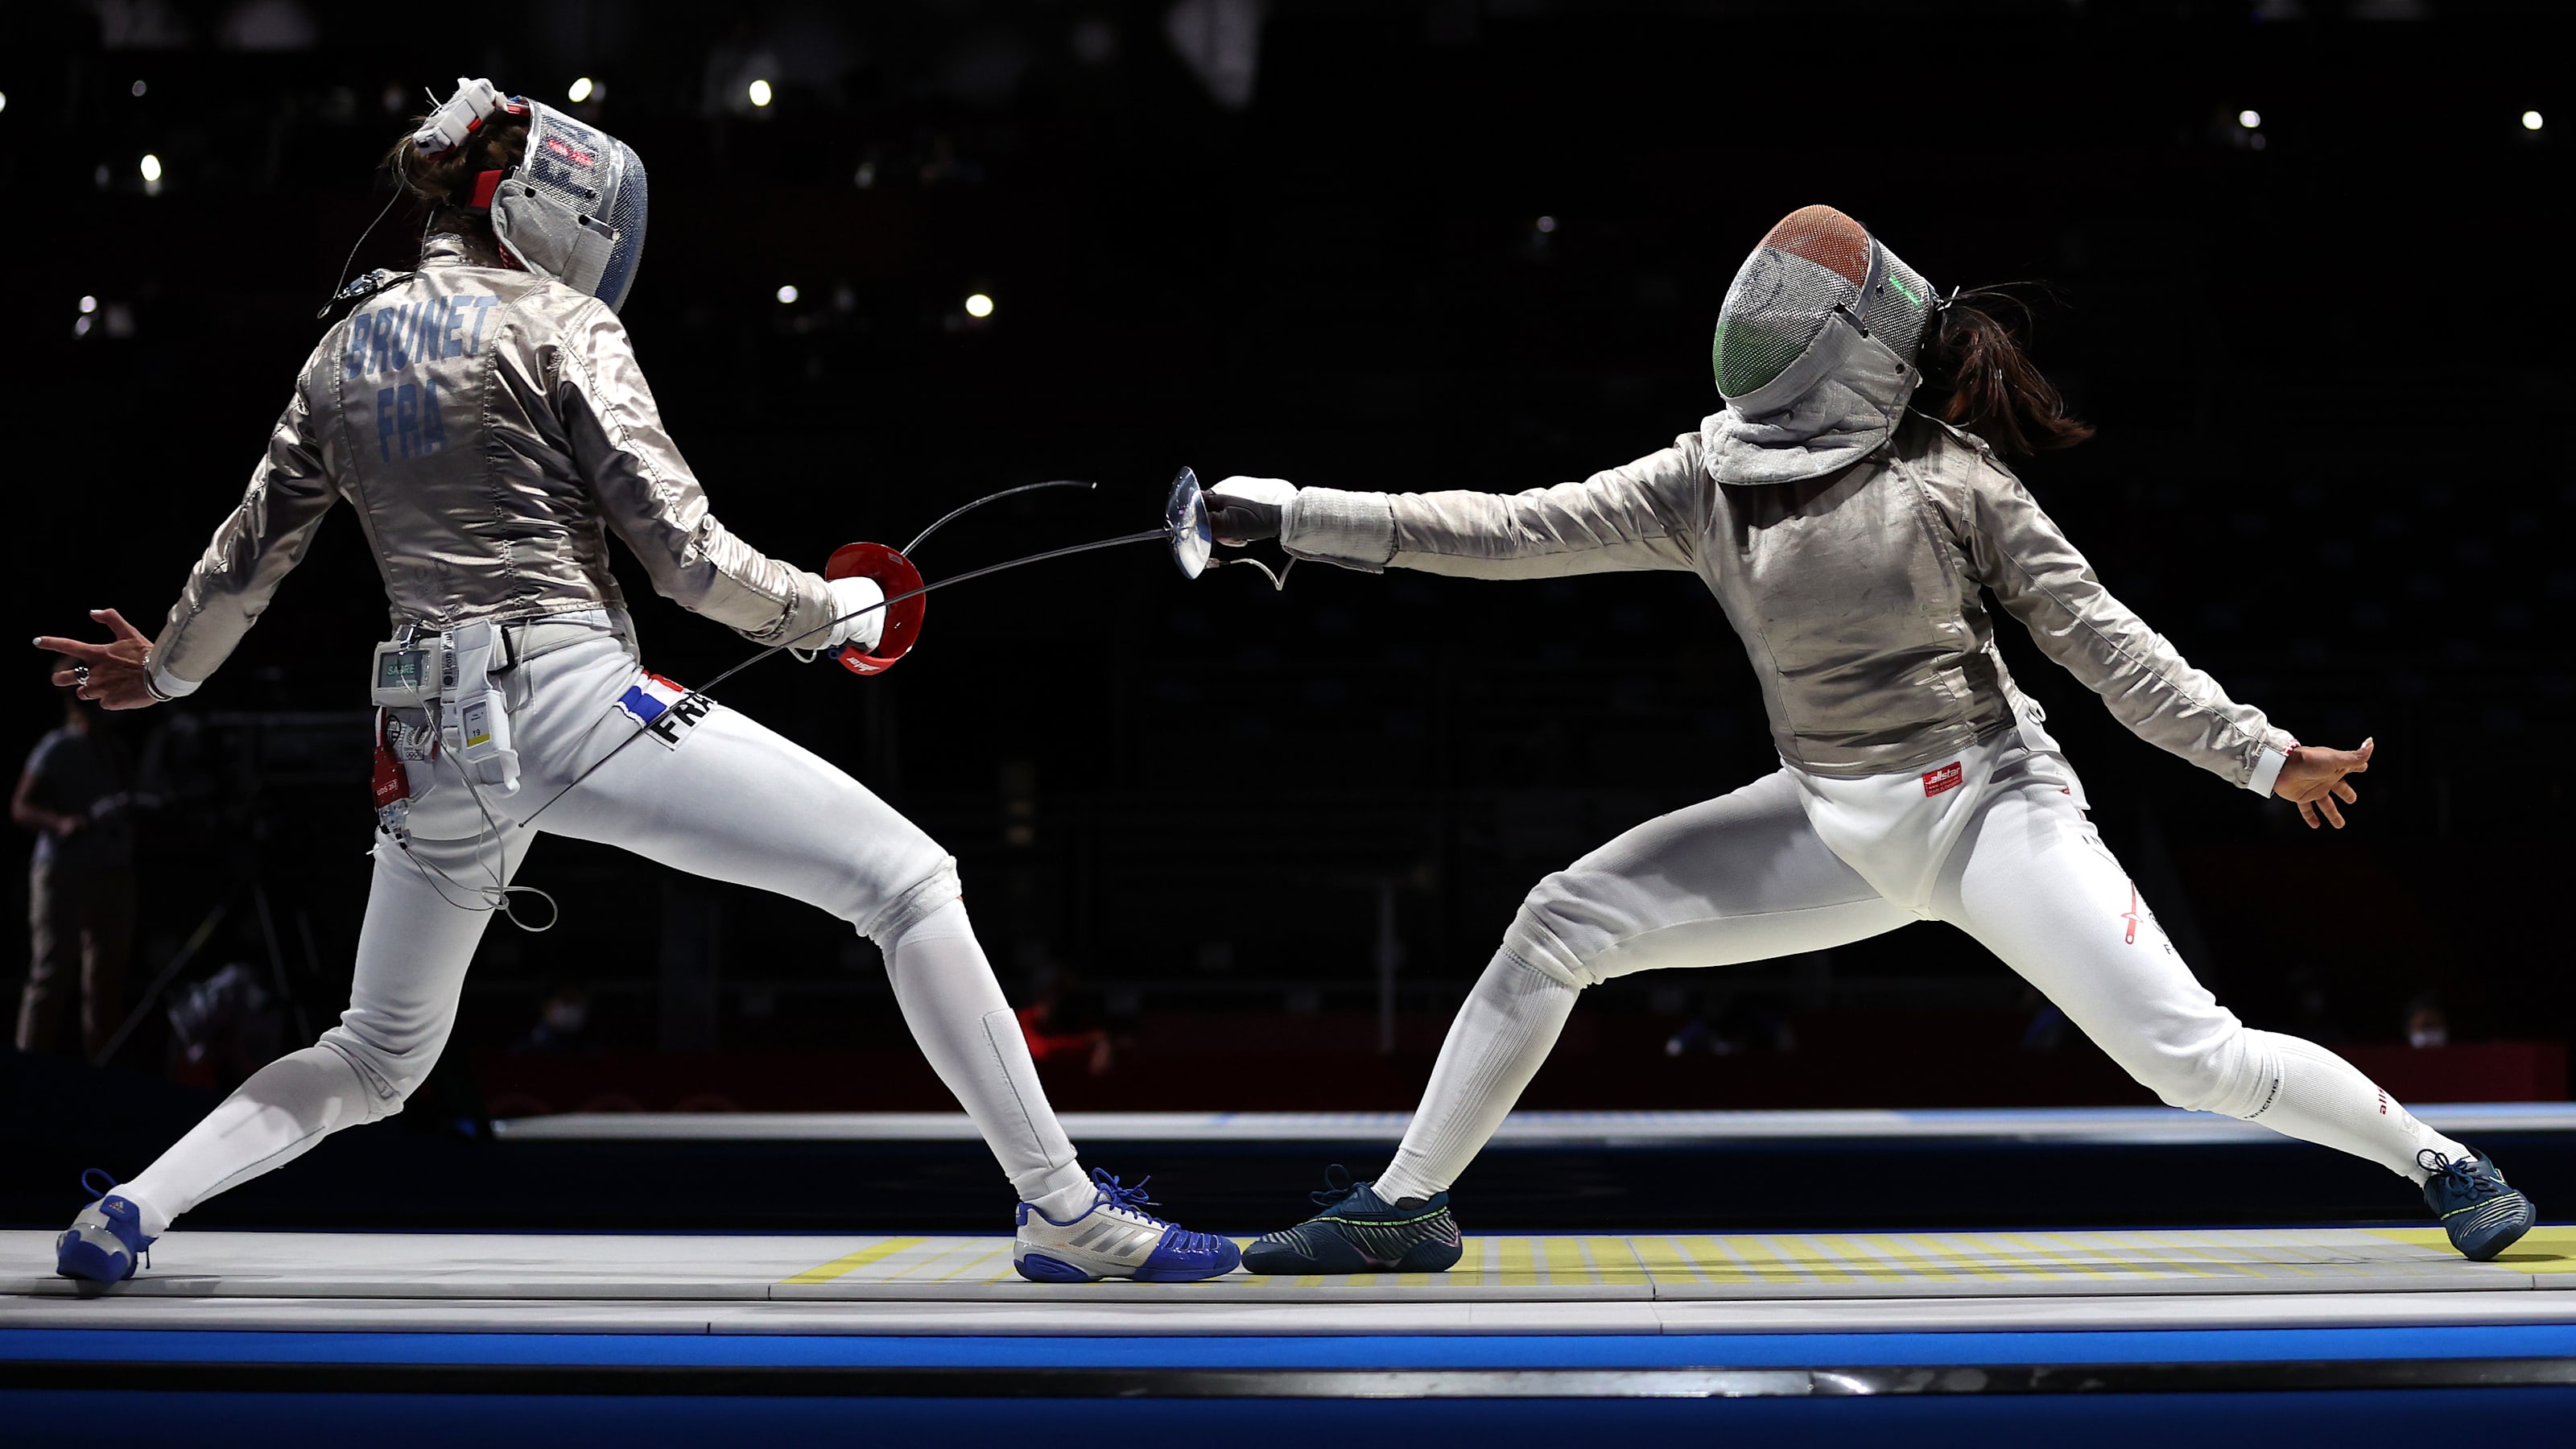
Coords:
1238,855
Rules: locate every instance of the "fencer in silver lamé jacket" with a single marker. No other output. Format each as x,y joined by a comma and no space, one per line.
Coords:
490,428
1858,593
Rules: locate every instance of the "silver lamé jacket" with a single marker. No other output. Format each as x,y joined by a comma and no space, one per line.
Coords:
490,428
1853,563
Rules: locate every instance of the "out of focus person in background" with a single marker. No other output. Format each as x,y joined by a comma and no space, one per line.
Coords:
488,419
2427,1025
76,794
224,1028
1053,1024
1852,543
562,1028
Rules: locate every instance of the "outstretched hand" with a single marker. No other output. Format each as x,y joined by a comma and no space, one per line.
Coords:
118,675
2313,780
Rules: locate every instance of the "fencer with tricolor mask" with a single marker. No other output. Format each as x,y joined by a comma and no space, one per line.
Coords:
1853,544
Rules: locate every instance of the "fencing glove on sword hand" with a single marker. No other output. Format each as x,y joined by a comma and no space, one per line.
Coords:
1241,510
849,596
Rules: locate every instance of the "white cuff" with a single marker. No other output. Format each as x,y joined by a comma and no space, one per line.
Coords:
2267,769
165,685
848,597
1356,530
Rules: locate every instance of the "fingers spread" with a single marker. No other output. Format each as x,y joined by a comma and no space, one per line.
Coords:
2344,792
2308,813
116,622
2327,805
86,653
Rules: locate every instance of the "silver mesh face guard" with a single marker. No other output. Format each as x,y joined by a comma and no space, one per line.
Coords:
1816,285
573,208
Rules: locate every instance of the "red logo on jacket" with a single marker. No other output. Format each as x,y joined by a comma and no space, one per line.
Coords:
1944,778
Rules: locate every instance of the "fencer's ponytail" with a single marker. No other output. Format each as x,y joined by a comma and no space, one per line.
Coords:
1976,357
444,184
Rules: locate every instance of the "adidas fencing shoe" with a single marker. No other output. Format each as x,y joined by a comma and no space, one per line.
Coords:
106,1241
1360,1232
1117,1238
2483,1215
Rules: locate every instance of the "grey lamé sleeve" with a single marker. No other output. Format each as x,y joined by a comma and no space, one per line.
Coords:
253,550
650,498
1643,515
2040,578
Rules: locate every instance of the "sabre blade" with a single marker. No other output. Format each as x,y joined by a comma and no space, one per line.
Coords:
992,498
827,625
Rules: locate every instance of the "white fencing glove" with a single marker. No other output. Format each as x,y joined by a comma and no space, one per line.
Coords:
1243,509
848,597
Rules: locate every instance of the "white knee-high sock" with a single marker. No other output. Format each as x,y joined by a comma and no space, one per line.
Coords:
972,1038
2319,1097
269,1121
1500,1039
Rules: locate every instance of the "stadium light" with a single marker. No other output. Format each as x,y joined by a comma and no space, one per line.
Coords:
979,305
579,91
787,294
2249,119
760,93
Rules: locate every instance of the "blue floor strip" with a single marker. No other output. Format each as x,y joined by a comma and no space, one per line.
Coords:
1481,1351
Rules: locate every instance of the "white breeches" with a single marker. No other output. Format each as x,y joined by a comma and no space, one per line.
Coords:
731,801
1794,862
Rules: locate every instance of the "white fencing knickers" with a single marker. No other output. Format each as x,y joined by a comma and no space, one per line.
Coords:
1994,843
722,798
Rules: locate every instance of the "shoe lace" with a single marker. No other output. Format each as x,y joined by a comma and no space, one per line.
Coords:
2460,1173
1337,1186
1128,1199
106,1184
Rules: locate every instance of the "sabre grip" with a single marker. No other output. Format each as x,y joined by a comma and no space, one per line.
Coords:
895,574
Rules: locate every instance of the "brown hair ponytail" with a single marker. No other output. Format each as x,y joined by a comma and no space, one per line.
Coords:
444,183
1976,356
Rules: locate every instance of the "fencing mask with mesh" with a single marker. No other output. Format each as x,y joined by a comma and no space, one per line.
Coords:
1814,353
572,209
1818,286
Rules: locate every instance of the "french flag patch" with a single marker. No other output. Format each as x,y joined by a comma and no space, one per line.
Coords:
1944,778
663,709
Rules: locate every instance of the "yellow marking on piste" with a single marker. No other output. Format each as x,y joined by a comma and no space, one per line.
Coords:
1663,1256
2070,1261
1564,1259
852,1262
2209,1252
2116,1259
1791,1255
1616,1259
977,1261
1865,1257
1519,1269
1910,1264
1475,1261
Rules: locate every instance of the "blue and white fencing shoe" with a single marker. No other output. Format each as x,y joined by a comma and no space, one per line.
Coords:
106,1242
2482,1214
1360,1232
1117,1238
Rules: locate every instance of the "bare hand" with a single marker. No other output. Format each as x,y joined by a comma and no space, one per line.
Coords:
117,674
2313,780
